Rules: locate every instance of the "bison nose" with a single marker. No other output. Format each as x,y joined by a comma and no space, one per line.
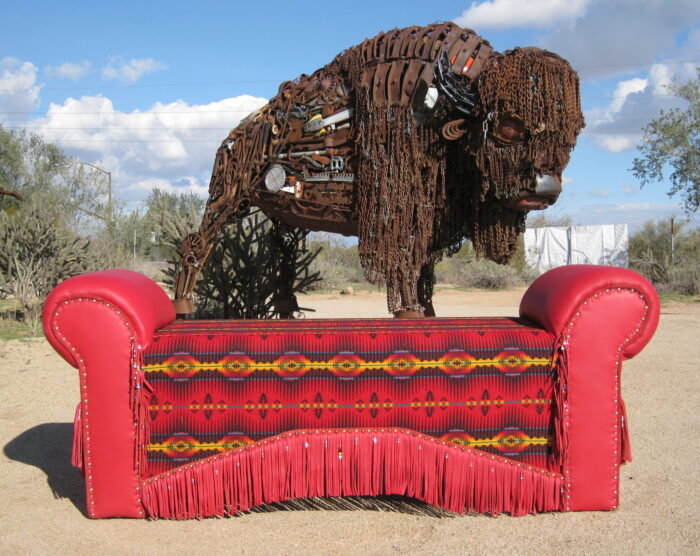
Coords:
547,185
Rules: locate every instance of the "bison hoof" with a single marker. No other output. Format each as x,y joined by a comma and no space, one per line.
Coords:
183,306
408,314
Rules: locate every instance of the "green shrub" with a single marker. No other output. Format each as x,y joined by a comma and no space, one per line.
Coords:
465,270
338,265
479,273
682,279
651,255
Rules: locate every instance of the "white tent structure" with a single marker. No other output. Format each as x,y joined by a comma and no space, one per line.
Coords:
549,247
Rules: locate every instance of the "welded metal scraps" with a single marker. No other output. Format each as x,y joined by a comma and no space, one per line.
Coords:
414,140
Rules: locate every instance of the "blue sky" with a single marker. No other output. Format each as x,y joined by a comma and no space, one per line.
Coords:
148,90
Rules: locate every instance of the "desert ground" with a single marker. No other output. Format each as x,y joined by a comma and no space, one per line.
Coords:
43,508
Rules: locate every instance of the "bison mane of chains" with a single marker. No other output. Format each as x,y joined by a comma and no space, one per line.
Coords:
414,140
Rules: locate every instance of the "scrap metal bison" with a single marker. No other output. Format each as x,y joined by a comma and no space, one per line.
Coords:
413,141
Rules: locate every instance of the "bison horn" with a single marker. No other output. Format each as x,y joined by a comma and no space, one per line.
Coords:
453,130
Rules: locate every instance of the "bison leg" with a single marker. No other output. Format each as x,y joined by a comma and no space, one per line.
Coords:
284,259
227,203
402,294
409,296
426,282
195,249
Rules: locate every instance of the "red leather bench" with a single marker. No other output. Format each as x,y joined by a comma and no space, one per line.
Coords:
184,419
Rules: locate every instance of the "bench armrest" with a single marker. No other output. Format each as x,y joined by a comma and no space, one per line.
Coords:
144,305
601,316
99,322
554,298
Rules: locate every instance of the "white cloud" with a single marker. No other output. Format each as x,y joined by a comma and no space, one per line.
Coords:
634,103
131,71
504,14
624,89
69,70
618,37
617,143
171,146
186,184
600,193
629,189
19,92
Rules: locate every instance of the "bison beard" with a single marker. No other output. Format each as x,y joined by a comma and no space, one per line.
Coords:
412,205
552,107
397,208
407,213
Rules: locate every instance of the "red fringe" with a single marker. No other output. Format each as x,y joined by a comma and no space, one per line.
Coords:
625,447
560,408
367,462
140,397
77,458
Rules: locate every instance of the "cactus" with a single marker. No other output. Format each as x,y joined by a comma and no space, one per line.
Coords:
243,277
36,253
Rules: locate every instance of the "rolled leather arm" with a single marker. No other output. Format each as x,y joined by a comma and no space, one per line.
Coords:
554,298
143,304
100,322
601,316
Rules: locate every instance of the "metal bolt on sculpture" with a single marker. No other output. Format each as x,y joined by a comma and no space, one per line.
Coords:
413,141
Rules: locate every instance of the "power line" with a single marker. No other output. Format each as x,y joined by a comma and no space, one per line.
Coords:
218,139
247,111
129,114
587,97
121,128
253,81
640,64
154,113
228,128
613,97
146,85
214,140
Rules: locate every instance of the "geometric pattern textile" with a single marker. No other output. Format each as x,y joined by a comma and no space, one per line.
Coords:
484,383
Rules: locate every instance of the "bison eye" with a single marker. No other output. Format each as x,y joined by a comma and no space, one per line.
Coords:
510,130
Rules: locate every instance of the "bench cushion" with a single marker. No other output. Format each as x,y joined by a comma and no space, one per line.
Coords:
480,382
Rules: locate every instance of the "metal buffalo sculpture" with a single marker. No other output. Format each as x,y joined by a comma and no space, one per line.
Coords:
414,141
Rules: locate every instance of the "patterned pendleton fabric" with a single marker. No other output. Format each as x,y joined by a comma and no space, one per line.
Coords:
486,383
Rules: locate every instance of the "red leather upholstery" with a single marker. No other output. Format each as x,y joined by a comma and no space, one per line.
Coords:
555,296
97,322
100,321
143,302
602,315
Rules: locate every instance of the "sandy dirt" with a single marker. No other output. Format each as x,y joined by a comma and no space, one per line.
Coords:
43,509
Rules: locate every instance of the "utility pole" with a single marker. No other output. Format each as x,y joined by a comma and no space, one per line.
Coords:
109,189
673,243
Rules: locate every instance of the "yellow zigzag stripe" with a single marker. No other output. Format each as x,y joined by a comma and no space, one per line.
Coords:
503,442
334,405
494,442
341,366
199,446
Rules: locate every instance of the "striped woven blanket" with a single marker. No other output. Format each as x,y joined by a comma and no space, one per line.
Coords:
480,382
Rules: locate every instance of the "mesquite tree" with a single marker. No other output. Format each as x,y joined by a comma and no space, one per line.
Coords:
40,172
673,139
